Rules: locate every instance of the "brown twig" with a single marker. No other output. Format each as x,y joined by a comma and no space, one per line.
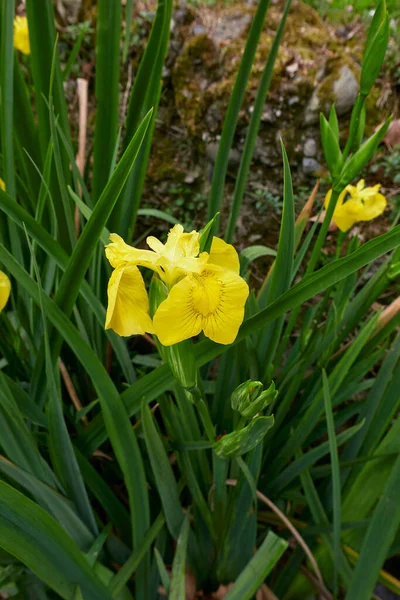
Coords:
71,389
296,535
83,85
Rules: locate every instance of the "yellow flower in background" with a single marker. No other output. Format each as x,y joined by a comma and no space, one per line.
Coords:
2,184
21,35
363,204
5,289
205,290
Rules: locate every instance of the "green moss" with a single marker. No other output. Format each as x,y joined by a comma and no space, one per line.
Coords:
197,63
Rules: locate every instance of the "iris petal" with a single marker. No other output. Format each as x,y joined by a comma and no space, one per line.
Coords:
128,303
5,289
224,255
212,301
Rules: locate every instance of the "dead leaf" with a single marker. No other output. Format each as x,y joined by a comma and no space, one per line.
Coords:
392,137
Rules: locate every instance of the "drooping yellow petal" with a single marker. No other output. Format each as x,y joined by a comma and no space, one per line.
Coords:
119,253
340,201
5,289
2,184
212,301
224,255
128,303
364,204
21,35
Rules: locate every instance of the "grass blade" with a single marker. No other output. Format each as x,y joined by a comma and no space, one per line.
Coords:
107,91
337,510
380,535
164,477
178,575
232,113
37,540
145,95
253,128
262,563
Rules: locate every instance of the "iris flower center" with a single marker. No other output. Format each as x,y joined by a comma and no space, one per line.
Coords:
206,297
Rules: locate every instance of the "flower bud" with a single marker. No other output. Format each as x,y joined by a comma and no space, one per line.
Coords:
249,398
242,441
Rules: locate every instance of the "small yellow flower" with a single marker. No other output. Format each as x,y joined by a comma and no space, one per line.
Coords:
364,204
5,289
2,184
21,35
206,292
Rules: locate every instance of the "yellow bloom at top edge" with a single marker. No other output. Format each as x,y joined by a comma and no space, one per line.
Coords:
357,203
5,289
206,292
21,35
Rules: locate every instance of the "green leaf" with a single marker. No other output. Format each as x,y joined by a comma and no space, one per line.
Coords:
125,573
117,422
107,93
52,501
282,272
163,475
145,95
232,113
178,575
357,162
242,441
295,468
37,540
335,478
254,126
252,253
207,233
375,48
380,535
330,144
262,563
54,250
162,570
60,445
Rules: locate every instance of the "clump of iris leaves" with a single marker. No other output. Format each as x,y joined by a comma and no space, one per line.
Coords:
101,497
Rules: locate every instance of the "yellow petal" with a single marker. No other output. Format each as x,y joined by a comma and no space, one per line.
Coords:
224,255
181,245
119,253
359,209
2,184
212,301
128,303
21,35
340,201
5,289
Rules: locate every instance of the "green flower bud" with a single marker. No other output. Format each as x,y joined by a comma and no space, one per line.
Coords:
249,398
245,394
330,144
242,441
264,399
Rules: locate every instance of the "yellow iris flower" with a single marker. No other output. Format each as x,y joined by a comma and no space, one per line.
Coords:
364,204
5,289
21,35
205,290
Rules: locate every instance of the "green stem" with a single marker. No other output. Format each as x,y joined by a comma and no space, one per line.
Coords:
322,233
202,409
